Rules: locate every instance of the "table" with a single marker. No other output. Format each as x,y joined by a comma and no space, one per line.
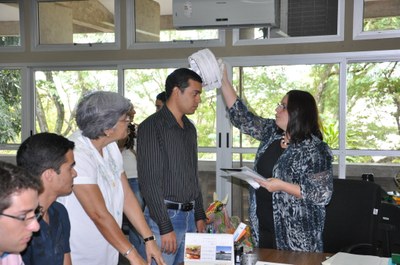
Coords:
291,257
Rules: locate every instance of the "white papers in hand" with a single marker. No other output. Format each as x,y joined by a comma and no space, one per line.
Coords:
246,174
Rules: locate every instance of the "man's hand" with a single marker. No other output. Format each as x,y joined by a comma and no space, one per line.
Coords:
201,226
168,243
154,252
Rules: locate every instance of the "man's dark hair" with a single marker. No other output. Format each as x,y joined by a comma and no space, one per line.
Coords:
303,116
180,78
14,179
161,96
43,151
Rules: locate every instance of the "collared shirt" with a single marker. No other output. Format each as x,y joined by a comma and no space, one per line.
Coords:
51,242
167,165
88,245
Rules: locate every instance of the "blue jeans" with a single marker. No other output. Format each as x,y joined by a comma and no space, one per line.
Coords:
134,236
182,223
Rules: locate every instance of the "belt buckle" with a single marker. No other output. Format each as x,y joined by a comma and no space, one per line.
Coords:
186,206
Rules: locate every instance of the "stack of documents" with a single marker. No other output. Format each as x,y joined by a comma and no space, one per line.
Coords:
343,258
246,174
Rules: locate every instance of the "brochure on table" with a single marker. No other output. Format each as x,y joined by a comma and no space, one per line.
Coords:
246,174
342,258
208,249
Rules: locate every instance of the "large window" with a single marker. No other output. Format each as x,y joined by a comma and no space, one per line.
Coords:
10,30
58,92
358,100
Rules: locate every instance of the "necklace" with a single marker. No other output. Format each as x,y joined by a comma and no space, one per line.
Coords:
283,142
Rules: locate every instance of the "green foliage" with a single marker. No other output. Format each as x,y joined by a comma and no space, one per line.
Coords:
331,135
10,106
382,23
58,92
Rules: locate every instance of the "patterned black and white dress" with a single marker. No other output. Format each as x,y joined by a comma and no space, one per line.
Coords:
298,222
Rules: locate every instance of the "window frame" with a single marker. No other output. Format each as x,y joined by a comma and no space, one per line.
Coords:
359,34
22,34
36,46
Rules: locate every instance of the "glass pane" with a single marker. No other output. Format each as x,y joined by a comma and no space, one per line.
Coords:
58,92
381,15
153,22
142,87
9,24
299,18
244,157
10,106
263,87
205,119
8,153
207,179
74,22
240,189
373,106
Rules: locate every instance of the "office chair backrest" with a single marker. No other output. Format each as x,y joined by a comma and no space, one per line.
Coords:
352,217
389,229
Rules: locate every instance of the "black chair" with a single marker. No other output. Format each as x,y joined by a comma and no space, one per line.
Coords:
352,217
389,229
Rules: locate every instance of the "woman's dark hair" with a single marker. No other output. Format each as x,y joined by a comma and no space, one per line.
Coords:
130,140
303,116
161,96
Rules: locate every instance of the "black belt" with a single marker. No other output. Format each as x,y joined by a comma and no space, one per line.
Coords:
185,207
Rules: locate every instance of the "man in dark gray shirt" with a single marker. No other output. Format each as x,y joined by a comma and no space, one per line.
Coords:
167,166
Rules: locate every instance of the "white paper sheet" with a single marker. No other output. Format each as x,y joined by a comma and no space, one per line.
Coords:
343,258
246,174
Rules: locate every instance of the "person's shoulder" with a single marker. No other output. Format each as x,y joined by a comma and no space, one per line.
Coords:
59,208
152,120
321,147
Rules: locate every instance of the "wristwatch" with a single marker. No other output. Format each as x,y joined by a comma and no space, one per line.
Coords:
152,237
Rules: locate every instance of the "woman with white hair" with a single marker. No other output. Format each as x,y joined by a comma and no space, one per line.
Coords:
101,193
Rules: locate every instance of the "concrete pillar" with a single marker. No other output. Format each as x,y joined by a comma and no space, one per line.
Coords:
147,21
55,24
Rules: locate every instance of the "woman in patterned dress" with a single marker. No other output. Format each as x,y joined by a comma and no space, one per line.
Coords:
289,211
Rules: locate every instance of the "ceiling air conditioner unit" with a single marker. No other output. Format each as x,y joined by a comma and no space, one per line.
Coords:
223,14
